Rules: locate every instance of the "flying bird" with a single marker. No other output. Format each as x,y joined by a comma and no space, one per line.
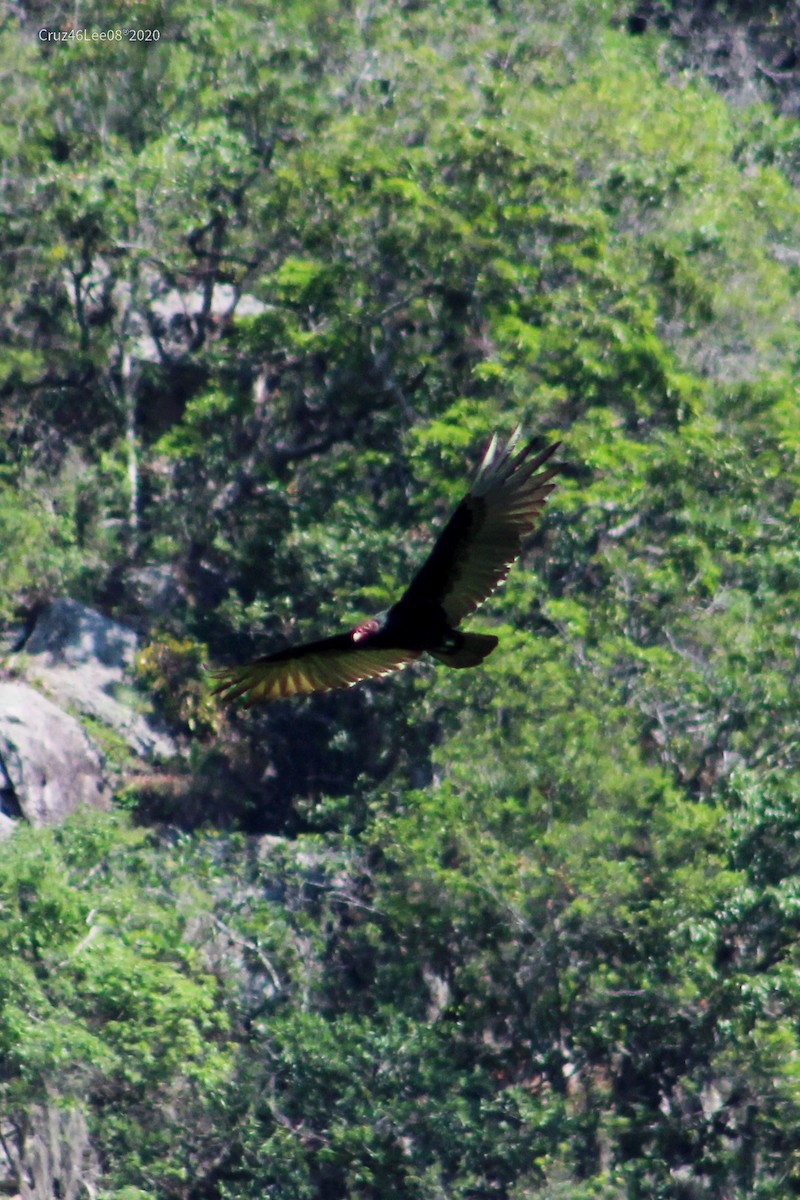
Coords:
471,556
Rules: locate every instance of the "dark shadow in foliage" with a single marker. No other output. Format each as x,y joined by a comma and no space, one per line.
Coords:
303,766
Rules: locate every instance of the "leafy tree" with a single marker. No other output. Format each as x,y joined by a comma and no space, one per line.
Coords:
268,285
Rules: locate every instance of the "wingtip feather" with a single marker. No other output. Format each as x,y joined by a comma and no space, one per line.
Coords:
503,465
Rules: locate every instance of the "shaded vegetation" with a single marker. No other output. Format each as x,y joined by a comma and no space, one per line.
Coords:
268,285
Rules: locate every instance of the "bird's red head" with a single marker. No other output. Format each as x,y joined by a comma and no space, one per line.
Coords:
366,628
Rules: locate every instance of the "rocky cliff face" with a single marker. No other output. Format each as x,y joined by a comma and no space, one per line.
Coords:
76,664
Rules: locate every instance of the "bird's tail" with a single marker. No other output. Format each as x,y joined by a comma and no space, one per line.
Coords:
469,650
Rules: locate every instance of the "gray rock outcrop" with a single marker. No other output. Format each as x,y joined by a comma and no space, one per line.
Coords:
84,661
75,663
47,764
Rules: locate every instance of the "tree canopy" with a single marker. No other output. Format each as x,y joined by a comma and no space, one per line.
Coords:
269,281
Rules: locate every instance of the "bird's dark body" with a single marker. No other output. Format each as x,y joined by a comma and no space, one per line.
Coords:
416,624
409,625
472,554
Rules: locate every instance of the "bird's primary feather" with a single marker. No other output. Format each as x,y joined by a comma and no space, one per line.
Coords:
478,545
471,556
333,662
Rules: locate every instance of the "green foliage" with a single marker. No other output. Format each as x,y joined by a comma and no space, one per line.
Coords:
35,551
526,931
171,670
55,535
101,997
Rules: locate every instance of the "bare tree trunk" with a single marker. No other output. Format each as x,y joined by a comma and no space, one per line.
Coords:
51,1154
128,397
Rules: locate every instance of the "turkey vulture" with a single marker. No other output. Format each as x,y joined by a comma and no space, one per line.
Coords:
472,554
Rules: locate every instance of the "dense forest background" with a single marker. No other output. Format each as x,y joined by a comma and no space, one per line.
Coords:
268,285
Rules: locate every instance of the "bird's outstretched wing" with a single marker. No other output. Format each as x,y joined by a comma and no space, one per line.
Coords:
334,662
477,546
